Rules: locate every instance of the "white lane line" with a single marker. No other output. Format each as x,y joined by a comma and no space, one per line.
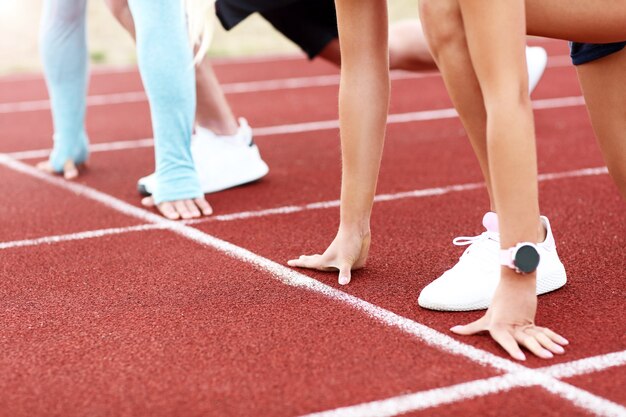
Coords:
278,271
432,398
418,116
428,192
587,365
93,148
410,117
401,404
91,234
295,279
233,88
586,400
230,89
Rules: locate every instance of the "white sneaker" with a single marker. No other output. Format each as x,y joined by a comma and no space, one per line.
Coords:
471,283
221,162
536,60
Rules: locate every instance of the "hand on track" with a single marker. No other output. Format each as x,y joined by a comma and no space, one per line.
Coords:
181,209
70,171
346,253
510,320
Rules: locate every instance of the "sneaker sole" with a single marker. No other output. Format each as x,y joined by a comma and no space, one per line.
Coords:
248,177
549,282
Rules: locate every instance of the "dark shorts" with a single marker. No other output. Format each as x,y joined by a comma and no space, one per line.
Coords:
583,53
310,24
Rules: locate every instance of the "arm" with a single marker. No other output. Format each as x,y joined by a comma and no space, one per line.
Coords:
496,34
363,106
166,67
63,42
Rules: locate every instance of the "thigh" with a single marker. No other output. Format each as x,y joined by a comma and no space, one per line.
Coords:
597,21
602,82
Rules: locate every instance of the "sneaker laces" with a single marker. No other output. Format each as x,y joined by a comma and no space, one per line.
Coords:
476,247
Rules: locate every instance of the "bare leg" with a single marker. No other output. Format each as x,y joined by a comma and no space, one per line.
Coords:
120,10
408,49
596,21
602,82
212,110
445,34
556,18
332,53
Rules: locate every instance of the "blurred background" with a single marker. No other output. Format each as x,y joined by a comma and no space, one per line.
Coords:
109,45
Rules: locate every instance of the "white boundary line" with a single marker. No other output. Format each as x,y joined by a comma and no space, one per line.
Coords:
586,365
229,88
234,88
427,192
431,337
437,397
418,116
431,398
91,234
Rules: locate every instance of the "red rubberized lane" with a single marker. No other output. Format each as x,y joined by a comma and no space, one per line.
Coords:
597,382
31,209
412,246
32,87
162,326
520,402
152,324
113,123
304,168
22,88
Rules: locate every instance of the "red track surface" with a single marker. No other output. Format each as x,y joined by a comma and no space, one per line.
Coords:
147,322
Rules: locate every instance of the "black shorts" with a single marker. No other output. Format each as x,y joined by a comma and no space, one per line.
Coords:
310,24
583,53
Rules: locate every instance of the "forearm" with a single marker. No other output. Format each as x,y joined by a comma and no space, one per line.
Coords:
63,46
363,105
166,67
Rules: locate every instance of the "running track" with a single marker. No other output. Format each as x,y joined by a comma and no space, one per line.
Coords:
110,310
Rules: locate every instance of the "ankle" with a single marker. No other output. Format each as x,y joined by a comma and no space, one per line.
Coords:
220,128
542,232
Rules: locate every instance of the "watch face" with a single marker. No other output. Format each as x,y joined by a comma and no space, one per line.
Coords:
526,259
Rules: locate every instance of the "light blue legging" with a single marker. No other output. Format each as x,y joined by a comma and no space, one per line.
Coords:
165,62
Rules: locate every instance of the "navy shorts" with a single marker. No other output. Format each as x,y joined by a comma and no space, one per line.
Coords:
310,24
583,53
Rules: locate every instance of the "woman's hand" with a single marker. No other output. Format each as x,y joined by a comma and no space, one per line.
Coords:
347,252
181,209
510,320
363,106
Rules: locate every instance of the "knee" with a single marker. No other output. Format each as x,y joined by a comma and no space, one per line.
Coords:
443,25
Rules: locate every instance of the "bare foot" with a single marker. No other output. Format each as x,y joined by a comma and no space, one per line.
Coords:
181,209
70,171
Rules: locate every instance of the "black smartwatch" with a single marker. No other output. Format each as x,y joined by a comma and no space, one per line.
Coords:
523,257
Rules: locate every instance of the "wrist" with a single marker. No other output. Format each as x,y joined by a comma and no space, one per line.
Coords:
521,282
355,227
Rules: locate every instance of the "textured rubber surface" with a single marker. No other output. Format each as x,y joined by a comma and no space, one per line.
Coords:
190,332
149,323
